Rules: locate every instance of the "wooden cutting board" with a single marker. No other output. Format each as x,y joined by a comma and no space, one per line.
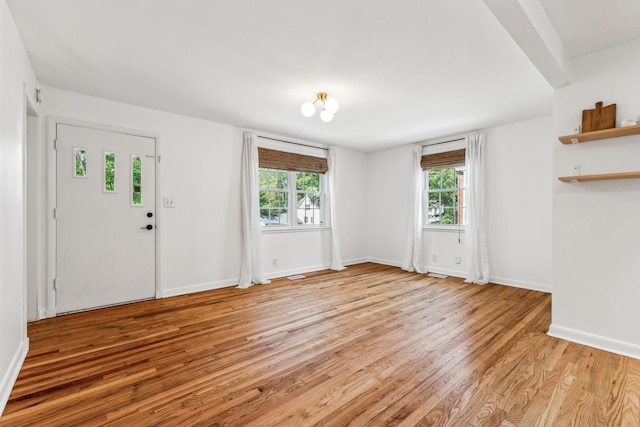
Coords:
599,118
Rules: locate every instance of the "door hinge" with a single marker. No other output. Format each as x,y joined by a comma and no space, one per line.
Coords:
55,213
55,144
38,96
55,284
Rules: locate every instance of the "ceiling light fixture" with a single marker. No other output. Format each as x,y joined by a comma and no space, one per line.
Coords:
329,107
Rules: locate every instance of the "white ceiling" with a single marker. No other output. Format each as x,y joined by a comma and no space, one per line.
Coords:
586,26
403,71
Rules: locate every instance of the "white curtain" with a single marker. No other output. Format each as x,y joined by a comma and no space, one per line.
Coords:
251,271
476,228
413,260
336,259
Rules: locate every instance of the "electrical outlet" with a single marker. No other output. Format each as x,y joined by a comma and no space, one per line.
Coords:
458,260
274,262
434,258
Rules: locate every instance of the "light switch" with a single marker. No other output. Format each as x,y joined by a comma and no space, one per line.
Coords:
168,202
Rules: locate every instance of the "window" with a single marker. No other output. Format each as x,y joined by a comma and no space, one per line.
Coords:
281,189
136,180
444,188
80,163
109,172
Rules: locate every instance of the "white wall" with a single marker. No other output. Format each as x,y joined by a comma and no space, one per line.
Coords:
596,226
388,204
201,237
519,191
15,74
519,159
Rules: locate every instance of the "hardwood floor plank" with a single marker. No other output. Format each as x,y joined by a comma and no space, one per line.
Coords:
368,346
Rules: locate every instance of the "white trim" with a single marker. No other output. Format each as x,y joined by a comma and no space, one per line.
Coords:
293,229
355,261
307,149
288,144
442,147
533,286
184,290
46,313
596,341
301,270
448,272
453,228
11,375
50,310
389,262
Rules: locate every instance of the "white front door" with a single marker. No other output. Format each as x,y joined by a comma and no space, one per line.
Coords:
105,218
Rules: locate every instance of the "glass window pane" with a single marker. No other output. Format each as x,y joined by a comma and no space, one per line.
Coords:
281,181
136,180
283,199
449,198
109,172
434,179
448,216
307,181
263,178
449,178
434,199
80,162
264,199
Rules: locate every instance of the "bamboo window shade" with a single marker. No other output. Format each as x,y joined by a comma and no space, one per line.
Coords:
448,159
274,159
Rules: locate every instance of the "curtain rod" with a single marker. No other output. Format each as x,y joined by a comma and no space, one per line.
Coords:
443,142
295,143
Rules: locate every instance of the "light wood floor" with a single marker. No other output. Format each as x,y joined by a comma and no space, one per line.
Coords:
369,346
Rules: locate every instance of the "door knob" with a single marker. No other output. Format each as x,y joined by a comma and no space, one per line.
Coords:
149,214
147,227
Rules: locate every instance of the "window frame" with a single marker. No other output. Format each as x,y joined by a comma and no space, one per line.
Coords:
292,202
425,200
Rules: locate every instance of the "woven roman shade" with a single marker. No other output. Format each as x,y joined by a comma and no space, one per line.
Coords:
447,159
274,159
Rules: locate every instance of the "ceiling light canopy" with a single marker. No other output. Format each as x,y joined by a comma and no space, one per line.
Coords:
329,107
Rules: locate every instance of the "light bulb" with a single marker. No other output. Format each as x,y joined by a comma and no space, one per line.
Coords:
326,116
332,105
308,109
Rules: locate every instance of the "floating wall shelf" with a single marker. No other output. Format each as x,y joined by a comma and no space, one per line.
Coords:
600,177
600,134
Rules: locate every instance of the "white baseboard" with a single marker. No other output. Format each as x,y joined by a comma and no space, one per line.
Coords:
183,290
446,271
596,341
45,313
9,378
386,262
541,287
354,261
293,271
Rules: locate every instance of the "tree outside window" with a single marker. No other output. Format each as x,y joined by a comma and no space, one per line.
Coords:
445,201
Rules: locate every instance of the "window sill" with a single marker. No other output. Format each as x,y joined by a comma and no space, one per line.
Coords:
444,228
276,230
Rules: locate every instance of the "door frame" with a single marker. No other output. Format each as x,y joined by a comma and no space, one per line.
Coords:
51,304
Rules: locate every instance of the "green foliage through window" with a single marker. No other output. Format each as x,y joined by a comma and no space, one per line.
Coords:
110,172
444,196
289,198
80,159
136,180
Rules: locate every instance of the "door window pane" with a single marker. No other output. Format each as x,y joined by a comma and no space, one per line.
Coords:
80,162
109,172
136,181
